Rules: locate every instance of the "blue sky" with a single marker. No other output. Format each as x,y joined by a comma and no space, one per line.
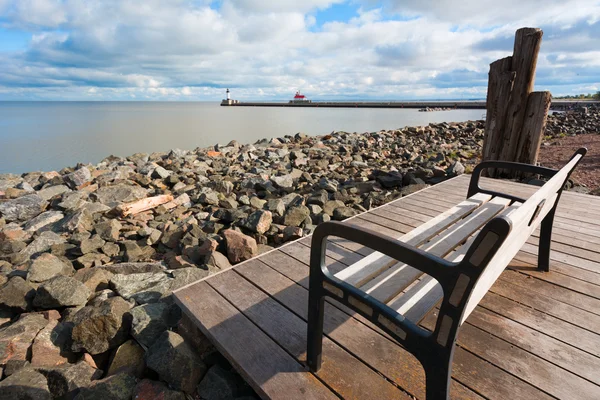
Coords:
266,49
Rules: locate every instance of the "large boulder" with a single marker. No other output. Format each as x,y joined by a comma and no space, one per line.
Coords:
114,195
26,384
61,291
17,295
149,321
47,345
240,247
295,216
109,230
129,359
16,340
175,362
97,329
94,278
47,266
43,220
259,221
79,178
23,208
145,287
115,387
65,381
39,245
220,384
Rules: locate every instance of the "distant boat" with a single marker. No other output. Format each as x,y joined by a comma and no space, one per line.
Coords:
300,98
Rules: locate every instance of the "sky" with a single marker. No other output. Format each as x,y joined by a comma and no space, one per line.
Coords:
191,50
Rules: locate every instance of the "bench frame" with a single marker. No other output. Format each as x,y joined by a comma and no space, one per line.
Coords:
435,349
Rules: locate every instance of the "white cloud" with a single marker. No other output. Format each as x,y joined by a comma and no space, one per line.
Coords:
178,49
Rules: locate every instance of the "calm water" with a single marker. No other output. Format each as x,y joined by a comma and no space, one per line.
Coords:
51,135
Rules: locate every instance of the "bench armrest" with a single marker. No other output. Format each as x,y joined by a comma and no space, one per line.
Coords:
474,187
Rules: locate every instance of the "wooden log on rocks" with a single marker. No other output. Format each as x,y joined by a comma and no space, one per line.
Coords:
142,205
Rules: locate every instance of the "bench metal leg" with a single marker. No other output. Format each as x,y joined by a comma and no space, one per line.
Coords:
545,239
316,305
438,377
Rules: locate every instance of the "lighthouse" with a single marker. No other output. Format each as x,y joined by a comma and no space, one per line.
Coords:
227,101
228,95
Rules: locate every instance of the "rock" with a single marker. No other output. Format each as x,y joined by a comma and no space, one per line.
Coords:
389,179
40,244
46,348
292,233
175,362
277,206
51,191
115,387
456,169
90,260
134,268
94,279
161,173
112,196
66,381
295,216
259,221
341,213
219,384
46,267
218,260
209,198
100,328
328,185
148,322
319,198
23,208
146,287
17,295
283,182
79,178
240,247
61,291
80,221
109,230
258,203
91,245
153,390
185,276
43,220
26,384
330,206
132,252
17,338
128,359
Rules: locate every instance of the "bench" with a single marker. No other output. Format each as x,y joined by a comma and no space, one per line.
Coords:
454,258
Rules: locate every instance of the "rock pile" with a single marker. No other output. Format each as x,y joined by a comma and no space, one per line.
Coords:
574,122
89,255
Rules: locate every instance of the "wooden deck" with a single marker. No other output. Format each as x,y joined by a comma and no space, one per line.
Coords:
535,335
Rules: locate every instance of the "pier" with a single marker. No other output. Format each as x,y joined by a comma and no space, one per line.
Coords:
477,104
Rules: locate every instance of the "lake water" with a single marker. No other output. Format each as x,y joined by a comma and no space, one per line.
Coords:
43,136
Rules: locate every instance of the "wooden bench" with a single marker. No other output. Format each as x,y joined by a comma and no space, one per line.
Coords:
455,257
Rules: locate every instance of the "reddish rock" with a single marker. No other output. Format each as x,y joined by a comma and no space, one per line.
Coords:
212,153
240,247
45,351
16,340
152,390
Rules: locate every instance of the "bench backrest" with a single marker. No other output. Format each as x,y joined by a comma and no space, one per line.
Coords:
520,224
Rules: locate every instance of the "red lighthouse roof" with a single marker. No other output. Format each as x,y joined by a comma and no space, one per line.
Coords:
299,96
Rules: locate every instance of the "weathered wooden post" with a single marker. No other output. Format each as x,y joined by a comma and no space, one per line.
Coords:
516,116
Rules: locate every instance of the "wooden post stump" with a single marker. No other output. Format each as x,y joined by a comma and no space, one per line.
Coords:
516,116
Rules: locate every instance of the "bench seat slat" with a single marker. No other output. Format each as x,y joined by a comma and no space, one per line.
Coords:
395,279
364,270
416,301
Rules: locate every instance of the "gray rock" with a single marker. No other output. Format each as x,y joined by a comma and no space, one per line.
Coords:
175,362
341,213
26,384
209,198
46,267
94,279
259,221
78,178
17,294
112,196
219,384
456,169
276,206
185,276
330,206
283,182
91,245
97,329
41,244
328,185
51,191
148,322
292,233
161,173
132,251
295,216
66,381
258,203
143,287
23,208
61,291
43,220
134,267
319,198
109,230
115,387
80,221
